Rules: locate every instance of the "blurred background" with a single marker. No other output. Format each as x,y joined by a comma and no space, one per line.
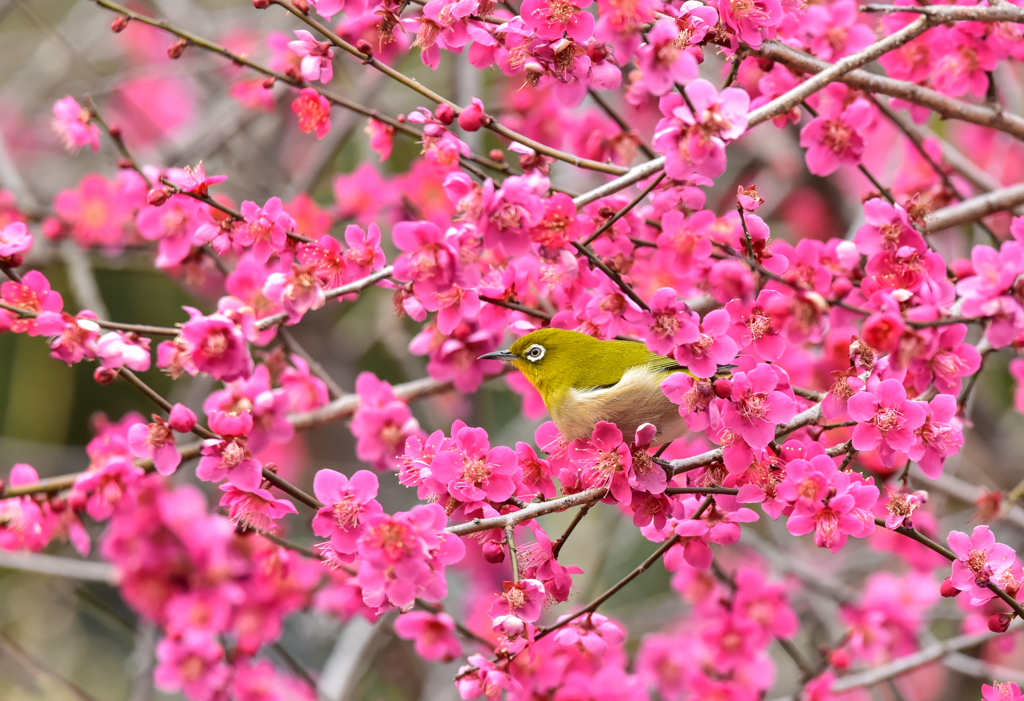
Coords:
67,634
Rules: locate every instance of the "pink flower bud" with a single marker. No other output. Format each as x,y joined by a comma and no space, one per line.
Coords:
268,83
175,50
115,133
494,552
158,195
104,376
261,4
77,501
962,267
999,622
473,118
839,659
301,5
723,388
497,155
947,589
53,229
364,47
182,418
841,287
58,505
444,114
119,24
13,261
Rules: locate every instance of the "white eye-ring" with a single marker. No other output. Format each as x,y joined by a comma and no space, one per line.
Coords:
535,353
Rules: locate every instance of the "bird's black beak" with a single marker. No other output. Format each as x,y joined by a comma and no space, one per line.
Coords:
498,355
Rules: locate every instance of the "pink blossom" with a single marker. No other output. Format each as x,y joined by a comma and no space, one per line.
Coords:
835,137
15,239
73,124
32,293
257,509
887,228
382,424
155,441
118,348
317,57
844,510
520,603
433,634
483,677
947,360
696,398
297,291
939,437
752,326
980,561
193,663
834,32
696,144
901,507
305,391
1001,691
663,62
886,420
229,458
751,21
265,228
593,633
473,471
73,338
604,460
712,348
757,407
195,180
686,239
430,257
553,17
98,209
403,557
382,137
349,504
106,485
314,112
217,346
670,322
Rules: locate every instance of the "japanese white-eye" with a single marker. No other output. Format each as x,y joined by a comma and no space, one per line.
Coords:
583,380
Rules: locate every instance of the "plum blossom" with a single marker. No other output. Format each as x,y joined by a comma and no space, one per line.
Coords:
757,407
349,504
835,137
594,633
472,471
980,561
314,112
155,441
216,346
696,143
257,509
33,293
382,424
752,326
886,420
752,21
550,18
317,57
1001,691
15,239
120,349
520,603
73,123
843,510
939,437
433,635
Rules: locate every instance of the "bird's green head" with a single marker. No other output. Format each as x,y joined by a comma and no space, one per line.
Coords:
556,360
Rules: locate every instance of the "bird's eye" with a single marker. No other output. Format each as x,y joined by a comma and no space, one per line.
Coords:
535,353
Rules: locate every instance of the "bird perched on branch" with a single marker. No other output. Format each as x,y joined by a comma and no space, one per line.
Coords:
583,380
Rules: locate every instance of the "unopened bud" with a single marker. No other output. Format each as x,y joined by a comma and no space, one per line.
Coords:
104,376
176,49
158,195
58,504
301,5
261,4
841,287
962,267
445,114
119,24
364,47
13,261
268,83
999,622
497,155
839,659
53,228
182,419
3,487
115,132
947,589
473,118
125,164
77,501
494,552
723,388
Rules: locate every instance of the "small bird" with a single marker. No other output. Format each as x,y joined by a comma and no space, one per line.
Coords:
583,380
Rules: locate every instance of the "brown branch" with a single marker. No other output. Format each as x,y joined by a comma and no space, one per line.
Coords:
975,208
352,287
141,329
531,511
625,210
